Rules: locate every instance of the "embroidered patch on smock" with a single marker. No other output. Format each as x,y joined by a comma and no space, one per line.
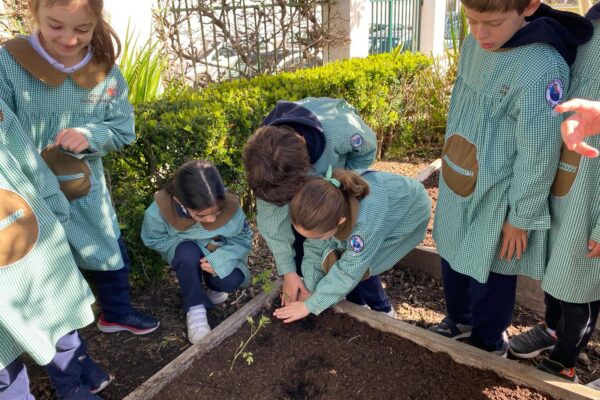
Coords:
554,92
112,92
356,243
356,141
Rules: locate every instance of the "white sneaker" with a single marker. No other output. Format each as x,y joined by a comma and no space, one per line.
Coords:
392,313
216,297
197,324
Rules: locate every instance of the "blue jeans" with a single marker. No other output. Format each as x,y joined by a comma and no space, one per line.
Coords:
488,307
371,293
186,264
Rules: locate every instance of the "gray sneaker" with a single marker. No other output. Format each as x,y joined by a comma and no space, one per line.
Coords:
532,342
451,329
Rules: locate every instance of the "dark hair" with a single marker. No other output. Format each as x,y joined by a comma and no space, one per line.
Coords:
497,5
277,163
197,184
103,36
319,205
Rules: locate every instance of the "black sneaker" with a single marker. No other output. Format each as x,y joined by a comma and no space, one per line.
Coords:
136,323
532,342
451,329
92,375
557,369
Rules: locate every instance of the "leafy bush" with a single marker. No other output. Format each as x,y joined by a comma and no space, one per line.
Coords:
214,123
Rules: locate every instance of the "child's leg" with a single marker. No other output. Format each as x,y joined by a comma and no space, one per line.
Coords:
371,293
493,303
574,331
553,313
457,293
228,284
65,371
91,373
299,250
14,383
113,295
186,264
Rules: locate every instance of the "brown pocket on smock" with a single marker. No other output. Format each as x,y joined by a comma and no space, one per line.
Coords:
72,173
566,173
19,228
459,165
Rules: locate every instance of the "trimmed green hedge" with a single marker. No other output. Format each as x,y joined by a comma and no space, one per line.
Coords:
214,123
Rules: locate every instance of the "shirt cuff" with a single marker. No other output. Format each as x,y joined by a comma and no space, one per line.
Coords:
529,224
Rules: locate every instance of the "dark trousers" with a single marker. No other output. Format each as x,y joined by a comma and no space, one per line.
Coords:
112,288
574,324
186,264
371,293
64,371
488,307
299,249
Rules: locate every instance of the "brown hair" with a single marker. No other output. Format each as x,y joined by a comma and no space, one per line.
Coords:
497,5
102,39
277,163
319,205
197,185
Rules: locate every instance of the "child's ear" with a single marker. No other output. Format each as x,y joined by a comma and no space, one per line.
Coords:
342,221
532,8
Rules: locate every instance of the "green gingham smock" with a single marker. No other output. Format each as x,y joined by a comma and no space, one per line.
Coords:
340,123
233,239
43,295
96,107
500,155
575,205
386,225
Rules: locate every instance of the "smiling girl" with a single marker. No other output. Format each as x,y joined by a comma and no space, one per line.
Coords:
71,99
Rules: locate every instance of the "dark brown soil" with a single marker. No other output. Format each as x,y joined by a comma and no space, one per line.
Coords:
334,357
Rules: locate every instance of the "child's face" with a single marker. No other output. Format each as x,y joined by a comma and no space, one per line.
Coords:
208,215
492,29
66,30
314,234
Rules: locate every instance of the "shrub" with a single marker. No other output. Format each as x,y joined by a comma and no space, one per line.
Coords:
214,123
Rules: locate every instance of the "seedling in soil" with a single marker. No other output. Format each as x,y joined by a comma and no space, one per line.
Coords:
254,329
263,279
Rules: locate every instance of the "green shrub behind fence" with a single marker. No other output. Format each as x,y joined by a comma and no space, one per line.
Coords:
215,122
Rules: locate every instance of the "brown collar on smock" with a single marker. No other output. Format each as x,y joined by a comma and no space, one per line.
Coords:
87,77
345,229
165,204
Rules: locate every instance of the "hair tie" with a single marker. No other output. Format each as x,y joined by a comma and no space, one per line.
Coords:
328,177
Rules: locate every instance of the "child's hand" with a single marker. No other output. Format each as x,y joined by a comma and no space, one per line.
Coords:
72,140
514,242
585,122
294,311
594,248
206,267
293,288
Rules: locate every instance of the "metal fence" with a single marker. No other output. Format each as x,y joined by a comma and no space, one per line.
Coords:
218,40
394,23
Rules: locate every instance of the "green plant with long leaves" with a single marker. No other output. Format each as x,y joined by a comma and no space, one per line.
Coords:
143,68
254,329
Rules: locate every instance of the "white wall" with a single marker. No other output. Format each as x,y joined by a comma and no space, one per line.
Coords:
138,12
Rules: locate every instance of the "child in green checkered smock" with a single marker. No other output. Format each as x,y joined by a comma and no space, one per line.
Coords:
71,100
500,155
44,298
200,229
571,282
295,140
358,225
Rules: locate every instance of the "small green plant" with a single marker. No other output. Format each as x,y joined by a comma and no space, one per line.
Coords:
263,279
254,329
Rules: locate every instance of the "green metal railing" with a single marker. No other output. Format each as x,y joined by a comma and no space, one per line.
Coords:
220,40
394,23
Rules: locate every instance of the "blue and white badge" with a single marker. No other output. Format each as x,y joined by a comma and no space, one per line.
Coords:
356,141
554,92
356,243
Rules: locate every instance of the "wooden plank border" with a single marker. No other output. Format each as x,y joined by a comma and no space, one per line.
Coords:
162,378
520,374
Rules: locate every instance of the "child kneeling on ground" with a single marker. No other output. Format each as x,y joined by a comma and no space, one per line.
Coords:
200,230
357,225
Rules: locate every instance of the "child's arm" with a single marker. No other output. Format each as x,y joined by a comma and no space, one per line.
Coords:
235,249
154,232
361,155
116,129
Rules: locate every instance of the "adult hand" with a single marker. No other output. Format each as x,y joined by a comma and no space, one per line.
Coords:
294,311
585,122
72,140
206,267
514,242
594,248
292,289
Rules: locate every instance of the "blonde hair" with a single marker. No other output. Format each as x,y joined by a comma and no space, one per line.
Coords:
319,204
102,39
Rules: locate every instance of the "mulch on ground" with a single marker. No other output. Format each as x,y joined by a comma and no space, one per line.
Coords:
417,298
334,357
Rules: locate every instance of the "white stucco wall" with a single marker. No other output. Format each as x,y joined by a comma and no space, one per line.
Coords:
138,12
